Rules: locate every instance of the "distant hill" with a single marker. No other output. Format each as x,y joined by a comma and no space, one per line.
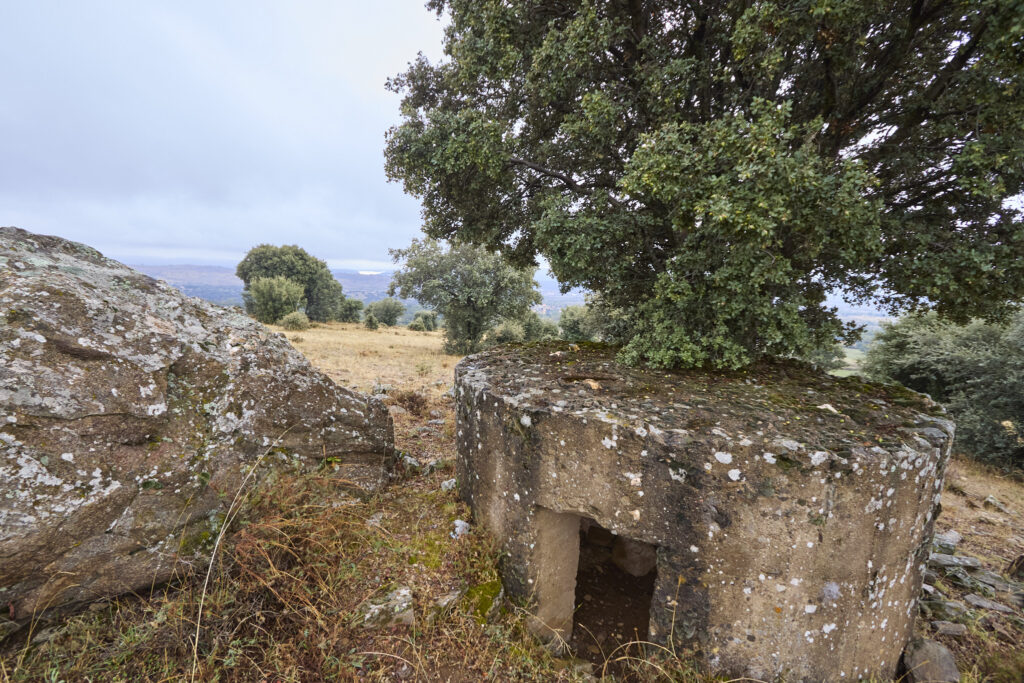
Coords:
219,285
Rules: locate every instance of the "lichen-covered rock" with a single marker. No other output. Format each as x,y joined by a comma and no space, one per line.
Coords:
129,417
791,512
927,661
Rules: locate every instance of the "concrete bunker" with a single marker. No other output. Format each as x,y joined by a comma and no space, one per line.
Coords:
788,513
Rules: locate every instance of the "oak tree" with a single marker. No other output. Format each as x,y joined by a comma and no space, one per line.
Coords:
712,168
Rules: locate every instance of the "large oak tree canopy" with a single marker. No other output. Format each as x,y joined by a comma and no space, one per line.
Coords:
714,168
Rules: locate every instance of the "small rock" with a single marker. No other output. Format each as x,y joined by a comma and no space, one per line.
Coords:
948,628
931,576
439,383
461,529
927,661
991,502
946,541
7,627
448,484
375,519
944,560
44,636
436,413
1015,570
394,609
945,610
380,389
444,604
984,603
410,462
996,582
397,410
927,590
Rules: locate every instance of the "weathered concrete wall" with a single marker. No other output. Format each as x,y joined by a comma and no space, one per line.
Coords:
792,511
130,414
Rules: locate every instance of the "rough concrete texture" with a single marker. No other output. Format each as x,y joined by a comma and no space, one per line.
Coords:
792,511
129,417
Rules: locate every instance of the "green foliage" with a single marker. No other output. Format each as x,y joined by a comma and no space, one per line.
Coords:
711,169
428,319
470,286
295,321
323,295
417,325
350,311
505,332
976,369
387,311
370,321
536,328
827,358
578,323
272,298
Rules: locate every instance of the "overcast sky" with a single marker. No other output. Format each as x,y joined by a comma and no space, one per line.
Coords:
188,132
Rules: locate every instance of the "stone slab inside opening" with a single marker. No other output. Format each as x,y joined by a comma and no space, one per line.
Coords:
614,587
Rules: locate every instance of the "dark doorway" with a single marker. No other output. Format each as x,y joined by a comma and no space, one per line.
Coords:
614,588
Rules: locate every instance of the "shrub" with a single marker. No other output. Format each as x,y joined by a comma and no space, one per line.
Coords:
272,298
417,325
294,321
976,370
413,401
350,310
426,318
536,328
505,332
387,311
370,321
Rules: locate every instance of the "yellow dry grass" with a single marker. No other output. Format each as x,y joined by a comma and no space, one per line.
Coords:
356,357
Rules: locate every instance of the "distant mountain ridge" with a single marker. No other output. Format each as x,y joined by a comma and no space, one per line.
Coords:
219,285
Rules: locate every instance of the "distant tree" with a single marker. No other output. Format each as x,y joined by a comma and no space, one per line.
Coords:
977,370
428,319
505,332
536,328
712,168
324,299
576,323
827,358
370,321
470,286
350,310
272,298
387,311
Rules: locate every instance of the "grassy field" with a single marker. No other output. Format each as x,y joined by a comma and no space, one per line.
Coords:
286,592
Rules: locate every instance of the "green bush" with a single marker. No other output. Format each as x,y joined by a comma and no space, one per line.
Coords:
426,318
387,311
577,324
536,328
295,321
350,310
323,295
417,325
370,321
976,370
272,298
505,332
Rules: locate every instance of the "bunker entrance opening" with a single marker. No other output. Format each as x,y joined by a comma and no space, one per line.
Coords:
614,588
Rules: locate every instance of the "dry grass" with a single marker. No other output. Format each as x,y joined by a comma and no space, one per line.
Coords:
285,592
356,357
